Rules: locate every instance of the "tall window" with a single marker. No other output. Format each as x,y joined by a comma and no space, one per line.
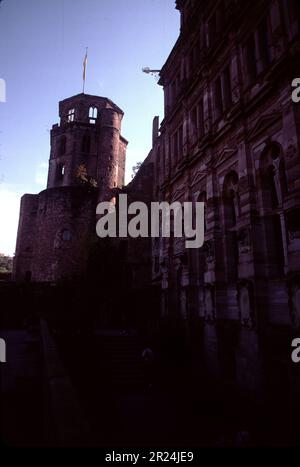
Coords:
62,145
60,172
86,143
180,140
263,43
212,29
273,190
250,60
93,114
231,213
71,115
292,8
227,97
274,183
197,121
257,51
200,118
177,144
175,148
231,199
218,97
220,16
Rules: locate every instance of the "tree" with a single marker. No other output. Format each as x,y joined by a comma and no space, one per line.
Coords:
6,263
135,169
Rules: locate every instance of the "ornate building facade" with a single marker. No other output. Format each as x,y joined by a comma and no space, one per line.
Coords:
230,138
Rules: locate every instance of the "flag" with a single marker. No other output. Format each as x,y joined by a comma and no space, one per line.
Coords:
84,65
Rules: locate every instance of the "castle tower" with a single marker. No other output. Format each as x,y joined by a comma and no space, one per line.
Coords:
87,161
88,136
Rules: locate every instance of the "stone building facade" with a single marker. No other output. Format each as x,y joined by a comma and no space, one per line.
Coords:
231,138
87,163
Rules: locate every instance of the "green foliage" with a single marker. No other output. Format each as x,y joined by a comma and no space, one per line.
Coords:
6,263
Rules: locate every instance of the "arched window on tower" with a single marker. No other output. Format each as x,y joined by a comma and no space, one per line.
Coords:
62,145
86,143
231,211
62,238
60,172
93,114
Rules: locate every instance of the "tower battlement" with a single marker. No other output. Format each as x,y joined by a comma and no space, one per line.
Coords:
88,138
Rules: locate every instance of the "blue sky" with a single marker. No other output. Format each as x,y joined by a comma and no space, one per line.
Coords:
42,46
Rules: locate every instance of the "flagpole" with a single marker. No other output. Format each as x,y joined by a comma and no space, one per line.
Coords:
84,69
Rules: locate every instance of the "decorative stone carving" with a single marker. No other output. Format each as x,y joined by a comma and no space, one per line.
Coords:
244,241
245,302
291,151
293,223
209,304
209,251
183,303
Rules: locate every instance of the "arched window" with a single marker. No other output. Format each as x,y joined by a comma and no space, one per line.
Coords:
71,115
62,145
60,172
86,143
93,113
273,177
62,238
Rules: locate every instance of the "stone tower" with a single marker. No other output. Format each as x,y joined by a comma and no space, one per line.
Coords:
87,162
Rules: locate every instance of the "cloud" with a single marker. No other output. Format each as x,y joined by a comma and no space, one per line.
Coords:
41,174
9,215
